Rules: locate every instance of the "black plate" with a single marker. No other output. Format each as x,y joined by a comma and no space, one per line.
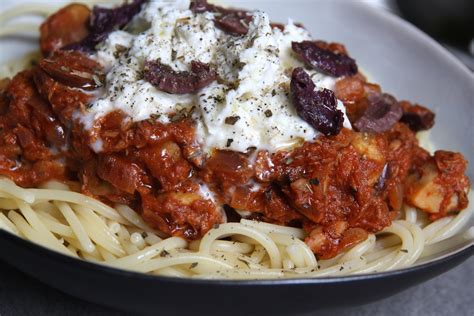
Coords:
143,293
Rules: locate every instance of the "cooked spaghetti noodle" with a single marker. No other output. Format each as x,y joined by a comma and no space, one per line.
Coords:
79,226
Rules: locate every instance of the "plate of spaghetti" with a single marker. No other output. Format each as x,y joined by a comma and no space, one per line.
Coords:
166,148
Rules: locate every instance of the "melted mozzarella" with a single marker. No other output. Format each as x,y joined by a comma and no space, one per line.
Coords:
251,104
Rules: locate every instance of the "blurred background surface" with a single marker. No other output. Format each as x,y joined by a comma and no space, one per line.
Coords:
451,22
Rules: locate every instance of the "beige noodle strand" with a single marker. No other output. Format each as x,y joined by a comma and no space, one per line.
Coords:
76,226
70,223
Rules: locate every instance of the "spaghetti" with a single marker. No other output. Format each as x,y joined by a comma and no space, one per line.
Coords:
79,226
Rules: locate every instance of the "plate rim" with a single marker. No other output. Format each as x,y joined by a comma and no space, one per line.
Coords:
407,26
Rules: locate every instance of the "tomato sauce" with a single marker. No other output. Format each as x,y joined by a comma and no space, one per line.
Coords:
338,188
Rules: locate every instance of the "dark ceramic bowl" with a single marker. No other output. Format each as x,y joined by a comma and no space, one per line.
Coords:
407,64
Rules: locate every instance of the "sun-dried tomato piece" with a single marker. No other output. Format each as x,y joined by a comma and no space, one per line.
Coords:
235,23
166,79
281,27
317,108
336,48
382,113
417,117
232,21
73,69
68,25
103,21
324,59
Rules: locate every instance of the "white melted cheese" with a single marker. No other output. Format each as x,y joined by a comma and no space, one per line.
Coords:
254,78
